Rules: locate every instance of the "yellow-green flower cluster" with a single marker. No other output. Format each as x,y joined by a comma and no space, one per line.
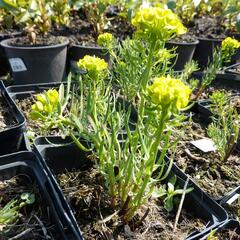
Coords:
164,55
93,65
47,102
230,43
105,40
229,47
158,23
169,92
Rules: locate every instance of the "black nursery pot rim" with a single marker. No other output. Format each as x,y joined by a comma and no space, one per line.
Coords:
231,69
196,42
210,39
5,44
88,47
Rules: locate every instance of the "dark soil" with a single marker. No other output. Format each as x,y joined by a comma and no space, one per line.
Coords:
214,176
216,86
81,32
34,218
185,38
208,27
9,33
41,41
6,117
228,235
86,192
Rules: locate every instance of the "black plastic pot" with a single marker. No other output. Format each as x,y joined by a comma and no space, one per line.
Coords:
36,64
11,138
204,51
76,52
61,155
27,164
228,80
184,53
4,66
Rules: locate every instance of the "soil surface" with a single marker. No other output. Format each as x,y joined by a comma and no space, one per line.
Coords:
86,192
216,86
214,176
185,38
6,117
34,220
80,31
10,33
41,41
208,27
228,235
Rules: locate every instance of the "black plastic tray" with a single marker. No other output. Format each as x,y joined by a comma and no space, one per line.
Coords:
26,163
11,138
204,106
231,70
227,75
58,155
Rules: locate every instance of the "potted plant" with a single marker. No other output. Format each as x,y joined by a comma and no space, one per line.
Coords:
8,29
159,102
93,18
27,54
214,22
185,44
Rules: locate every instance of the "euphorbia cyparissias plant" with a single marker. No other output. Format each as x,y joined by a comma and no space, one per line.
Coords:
228,49
129,166
221,56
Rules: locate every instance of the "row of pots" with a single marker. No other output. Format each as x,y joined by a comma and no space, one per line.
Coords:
50,63
45,63
56,157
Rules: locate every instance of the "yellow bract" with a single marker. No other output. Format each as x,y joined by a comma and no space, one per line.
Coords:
230,43
92,64
229,48
46,102
159,22
105,39
167,91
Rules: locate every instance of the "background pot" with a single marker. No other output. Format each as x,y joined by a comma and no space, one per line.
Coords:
204,51
4,66
36,64
184,53
76,52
